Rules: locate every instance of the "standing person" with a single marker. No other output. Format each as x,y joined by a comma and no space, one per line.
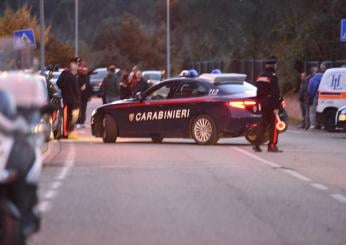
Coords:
70,91
302,97
313,71
125,90
110,85
314,83
86,90
141,83
268,97
133,80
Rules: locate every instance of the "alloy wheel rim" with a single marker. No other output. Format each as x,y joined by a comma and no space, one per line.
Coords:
203,130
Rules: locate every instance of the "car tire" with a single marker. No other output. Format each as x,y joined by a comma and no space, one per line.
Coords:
110,129
251,136
157,139
329,120
204,130
58,130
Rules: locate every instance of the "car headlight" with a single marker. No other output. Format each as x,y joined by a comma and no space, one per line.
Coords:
342,117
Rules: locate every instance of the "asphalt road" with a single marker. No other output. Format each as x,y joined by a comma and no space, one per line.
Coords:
136,192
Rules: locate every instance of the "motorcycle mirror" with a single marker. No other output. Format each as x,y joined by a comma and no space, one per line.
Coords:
139,96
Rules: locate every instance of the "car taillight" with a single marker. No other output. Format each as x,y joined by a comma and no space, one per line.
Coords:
244,104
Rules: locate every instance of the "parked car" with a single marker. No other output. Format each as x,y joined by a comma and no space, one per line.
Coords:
331,97
153,77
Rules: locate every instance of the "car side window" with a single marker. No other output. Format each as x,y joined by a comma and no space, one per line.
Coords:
190,89
161,93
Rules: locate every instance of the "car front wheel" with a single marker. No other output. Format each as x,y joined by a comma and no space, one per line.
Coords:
110,129
204,130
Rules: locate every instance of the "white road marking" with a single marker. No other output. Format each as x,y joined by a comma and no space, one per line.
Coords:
44,206
55,185
269,163
296,175
339,197
319,186
52,192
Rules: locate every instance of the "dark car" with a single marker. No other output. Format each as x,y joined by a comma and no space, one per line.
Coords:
203,108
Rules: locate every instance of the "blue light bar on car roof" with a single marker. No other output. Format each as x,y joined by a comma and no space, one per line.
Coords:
224,78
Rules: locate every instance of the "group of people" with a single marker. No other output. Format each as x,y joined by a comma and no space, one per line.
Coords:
122,85
76,91
308,95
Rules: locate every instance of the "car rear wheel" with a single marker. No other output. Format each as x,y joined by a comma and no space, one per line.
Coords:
110,129
251,136
329,120
204,130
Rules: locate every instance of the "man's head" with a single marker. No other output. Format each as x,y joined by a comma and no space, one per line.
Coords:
313,69
135,69
73,66
271,62
323,67
139,74
111,69
303,76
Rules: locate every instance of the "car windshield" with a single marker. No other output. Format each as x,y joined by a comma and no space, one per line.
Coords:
99,74
236,88
152,76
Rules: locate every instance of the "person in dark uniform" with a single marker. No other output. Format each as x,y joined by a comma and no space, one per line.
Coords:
268,97
86,90
70,91
141,83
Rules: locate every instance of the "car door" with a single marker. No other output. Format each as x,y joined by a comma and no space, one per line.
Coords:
184,105
147,118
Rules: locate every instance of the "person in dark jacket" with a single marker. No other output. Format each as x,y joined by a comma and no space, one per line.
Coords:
268,97
313,85
86,91
125,90
141,83
302,97
70,91
110,86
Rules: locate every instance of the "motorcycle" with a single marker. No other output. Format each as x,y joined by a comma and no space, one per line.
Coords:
56,117
283,116
22,102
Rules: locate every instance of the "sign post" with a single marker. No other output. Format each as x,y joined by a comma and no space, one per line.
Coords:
343,30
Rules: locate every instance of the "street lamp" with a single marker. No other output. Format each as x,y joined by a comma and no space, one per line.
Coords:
168,40
42,40
76,52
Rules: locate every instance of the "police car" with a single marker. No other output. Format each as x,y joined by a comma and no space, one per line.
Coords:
204,108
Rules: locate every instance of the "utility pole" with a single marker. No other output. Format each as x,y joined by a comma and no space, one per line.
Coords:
42,39
76,52
168,40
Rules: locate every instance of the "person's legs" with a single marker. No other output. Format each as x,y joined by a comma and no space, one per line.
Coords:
303,111
74,119
274,134
66,120
82,114
261,129
312,113
307,116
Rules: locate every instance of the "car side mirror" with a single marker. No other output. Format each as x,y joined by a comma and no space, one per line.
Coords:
139,96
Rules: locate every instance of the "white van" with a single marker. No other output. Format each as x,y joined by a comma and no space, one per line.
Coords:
331,97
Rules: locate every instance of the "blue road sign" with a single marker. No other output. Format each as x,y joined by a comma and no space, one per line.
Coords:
24,38
343,30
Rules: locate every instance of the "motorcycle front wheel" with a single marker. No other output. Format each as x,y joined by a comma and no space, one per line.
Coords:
10,230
